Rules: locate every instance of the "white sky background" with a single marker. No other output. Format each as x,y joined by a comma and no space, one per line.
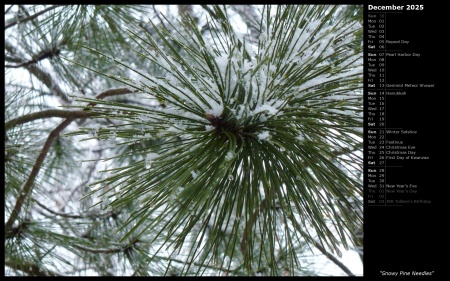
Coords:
323,265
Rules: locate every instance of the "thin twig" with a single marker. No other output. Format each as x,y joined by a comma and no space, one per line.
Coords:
65,215
65,113
332,258
31,17
40,160
28,186
47,114
42,76
115,92
98,251
123,248
8,9
41,56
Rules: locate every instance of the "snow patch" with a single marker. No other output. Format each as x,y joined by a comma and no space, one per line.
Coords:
264,135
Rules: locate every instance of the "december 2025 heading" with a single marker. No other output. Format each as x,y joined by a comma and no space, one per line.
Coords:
395,7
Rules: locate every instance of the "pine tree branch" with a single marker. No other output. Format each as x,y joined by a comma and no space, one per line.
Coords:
84,216
31,17
40,160
42,76
65,113
98,251
47,114
49,82
8,9
114,92
41,56
28,186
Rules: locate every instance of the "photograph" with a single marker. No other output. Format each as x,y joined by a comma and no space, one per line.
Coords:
190,140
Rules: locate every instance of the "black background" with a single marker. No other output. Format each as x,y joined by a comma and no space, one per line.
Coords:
413,237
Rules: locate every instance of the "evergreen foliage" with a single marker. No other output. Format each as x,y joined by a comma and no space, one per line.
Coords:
190,145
